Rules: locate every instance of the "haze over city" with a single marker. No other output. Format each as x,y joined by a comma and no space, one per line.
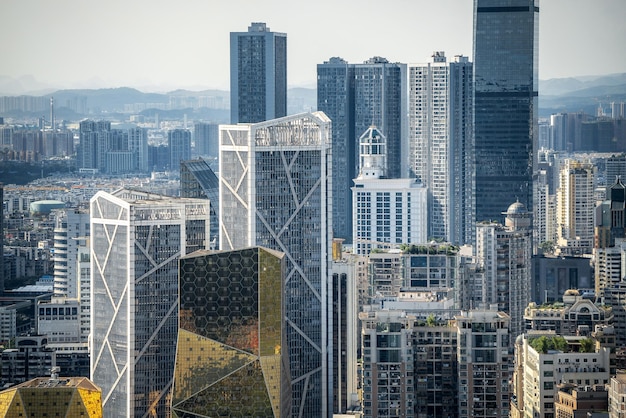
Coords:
162,45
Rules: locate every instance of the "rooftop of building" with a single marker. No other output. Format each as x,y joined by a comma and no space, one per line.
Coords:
58,382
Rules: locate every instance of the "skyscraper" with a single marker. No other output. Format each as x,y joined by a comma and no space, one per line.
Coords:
441,143
258,74
355,97
335,97
93,145
506,83
198,181
138,146
137,239
206,139
231,354
380,100
575,208
275,188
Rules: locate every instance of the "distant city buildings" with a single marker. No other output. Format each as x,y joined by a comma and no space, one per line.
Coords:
258,74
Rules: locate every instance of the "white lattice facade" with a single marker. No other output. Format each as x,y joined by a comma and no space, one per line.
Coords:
275,191
137,239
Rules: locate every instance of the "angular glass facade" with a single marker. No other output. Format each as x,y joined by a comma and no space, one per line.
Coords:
506,92
275,191
137,239
258,74
230,356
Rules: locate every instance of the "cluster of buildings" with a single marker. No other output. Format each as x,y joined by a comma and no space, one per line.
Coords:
351,260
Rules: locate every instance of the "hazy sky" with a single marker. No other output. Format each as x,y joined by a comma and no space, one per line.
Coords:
185,43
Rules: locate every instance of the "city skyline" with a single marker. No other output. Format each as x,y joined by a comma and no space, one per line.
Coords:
44,45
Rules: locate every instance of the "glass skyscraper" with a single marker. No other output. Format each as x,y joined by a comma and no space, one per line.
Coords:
137,239
275,191
506,93
231,355
258,74
335,97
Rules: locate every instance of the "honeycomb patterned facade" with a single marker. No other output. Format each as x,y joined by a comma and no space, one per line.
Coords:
43,397
230,359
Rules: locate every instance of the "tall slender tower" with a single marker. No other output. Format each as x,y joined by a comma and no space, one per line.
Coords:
506,93
2,238
335,97
441,143
137,240
275,191
258,74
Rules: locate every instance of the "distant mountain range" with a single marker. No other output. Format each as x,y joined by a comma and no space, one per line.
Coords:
572,94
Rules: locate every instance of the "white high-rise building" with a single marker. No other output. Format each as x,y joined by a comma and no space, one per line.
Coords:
441,143
385,211
275,191
137,239
575,208
70,224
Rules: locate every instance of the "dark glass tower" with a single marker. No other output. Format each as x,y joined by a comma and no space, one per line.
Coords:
258,74
505,76
335,97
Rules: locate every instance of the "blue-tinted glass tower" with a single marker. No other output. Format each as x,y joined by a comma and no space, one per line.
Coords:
335,97
258,74
505,102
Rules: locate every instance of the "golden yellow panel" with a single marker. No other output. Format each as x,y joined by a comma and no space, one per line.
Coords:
52,401
242,393
270,302
93,402
200,362
272,373
10,404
